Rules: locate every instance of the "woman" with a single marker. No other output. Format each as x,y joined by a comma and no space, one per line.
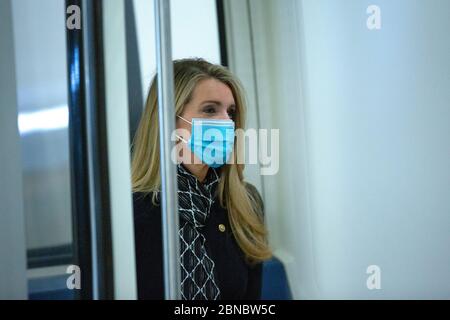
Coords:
223,240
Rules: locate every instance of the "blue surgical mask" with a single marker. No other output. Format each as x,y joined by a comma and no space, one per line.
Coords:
212,140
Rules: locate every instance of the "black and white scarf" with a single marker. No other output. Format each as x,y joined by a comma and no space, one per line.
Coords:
198,280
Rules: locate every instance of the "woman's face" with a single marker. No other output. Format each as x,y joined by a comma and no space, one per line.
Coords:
211,99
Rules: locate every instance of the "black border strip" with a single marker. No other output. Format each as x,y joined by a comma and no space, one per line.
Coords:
135,97
222,32
103,209
78,149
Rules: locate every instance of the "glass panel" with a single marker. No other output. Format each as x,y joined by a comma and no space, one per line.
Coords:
40,53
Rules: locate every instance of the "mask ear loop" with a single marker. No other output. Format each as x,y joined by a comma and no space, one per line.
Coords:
179,137
184,119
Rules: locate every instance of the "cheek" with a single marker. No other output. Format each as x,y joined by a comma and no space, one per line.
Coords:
180,124
183,129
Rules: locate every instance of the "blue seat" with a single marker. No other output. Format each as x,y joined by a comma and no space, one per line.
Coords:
275,285
49,288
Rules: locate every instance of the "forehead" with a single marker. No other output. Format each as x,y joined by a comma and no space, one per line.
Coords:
212,89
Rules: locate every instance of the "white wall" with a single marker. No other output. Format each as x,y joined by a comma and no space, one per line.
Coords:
364,126
379,122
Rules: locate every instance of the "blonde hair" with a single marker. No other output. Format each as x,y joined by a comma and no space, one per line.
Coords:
244,205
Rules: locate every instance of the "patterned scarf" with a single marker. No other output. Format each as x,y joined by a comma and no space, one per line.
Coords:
198,280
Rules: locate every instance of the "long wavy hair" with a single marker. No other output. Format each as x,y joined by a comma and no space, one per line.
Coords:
242,201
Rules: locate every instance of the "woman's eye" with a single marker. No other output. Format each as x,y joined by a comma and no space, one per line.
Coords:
232,113
209,110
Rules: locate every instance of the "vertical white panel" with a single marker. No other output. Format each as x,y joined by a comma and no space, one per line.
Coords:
12,230
118,149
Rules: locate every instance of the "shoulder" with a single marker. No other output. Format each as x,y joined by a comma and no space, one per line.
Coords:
147,222
143,206
148,247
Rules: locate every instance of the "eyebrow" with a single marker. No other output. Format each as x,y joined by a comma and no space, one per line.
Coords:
217,102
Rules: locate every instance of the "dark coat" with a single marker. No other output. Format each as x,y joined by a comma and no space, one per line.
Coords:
236,278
